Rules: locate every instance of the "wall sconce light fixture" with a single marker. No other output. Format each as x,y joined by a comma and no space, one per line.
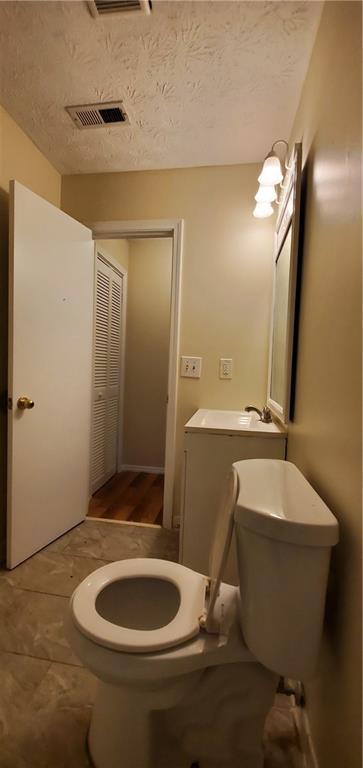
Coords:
270,176
263,210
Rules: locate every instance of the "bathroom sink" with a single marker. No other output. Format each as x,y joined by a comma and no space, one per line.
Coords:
230,422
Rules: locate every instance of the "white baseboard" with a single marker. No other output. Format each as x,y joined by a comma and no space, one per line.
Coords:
123,522
310,759
138,468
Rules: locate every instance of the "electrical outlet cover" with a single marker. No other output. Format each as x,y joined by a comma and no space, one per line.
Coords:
225,368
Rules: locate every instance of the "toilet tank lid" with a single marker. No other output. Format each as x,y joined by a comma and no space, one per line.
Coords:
276,500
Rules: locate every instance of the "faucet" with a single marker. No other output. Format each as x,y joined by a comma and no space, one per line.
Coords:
265,414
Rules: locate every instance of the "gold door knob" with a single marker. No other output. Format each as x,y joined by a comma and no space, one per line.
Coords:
25,402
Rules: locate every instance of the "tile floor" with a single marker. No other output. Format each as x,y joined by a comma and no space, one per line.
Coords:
45,694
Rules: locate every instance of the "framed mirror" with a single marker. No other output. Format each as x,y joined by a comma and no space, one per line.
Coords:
284,291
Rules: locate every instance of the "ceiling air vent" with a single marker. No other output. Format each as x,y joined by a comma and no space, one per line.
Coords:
98,115
103,7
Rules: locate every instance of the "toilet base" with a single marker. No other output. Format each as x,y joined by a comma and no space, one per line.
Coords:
119,735
213,718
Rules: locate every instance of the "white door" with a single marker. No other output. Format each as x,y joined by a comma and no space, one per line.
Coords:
50,363
106,373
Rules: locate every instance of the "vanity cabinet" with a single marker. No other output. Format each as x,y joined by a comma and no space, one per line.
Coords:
213,440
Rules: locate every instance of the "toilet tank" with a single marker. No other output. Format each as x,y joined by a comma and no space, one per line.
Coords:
284,534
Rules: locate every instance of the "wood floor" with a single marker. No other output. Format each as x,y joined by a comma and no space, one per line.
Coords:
133,496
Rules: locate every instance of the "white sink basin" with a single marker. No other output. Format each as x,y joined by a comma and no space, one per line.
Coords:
230,422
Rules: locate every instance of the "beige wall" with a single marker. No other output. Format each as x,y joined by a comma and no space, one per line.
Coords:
147,352
227,269
20,160
325,437
117,249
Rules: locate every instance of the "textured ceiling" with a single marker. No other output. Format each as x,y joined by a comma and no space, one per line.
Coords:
203,83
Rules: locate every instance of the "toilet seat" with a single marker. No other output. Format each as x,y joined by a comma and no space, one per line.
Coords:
185,624
122,619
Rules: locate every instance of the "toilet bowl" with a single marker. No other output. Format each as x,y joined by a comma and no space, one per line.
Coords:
184,655
158,672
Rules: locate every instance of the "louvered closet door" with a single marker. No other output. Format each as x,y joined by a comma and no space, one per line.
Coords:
107,375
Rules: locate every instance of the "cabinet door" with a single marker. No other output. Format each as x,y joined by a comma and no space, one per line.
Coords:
208,460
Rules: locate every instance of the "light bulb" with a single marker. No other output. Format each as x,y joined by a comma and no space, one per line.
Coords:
263,210
266,194
271,171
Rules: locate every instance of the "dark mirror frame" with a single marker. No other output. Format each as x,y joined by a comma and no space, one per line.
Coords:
288,216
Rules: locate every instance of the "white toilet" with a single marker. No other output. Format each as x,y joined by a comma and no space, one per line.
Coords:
188,666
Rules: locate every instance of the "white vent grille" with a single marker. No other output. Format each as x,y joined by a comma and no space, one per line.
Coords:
103,7
98,115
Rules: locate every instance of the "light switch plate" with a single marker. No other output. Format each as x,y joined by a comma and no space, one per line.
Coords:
191,367
225,368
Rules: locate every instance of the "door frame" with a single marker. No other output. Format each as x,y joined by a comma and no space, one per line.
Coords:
152,228
114,264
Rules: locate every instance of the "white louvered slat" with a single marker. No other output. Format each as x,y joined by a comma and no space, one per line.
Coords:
101,328
115,335
107,374
98,443
111,435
